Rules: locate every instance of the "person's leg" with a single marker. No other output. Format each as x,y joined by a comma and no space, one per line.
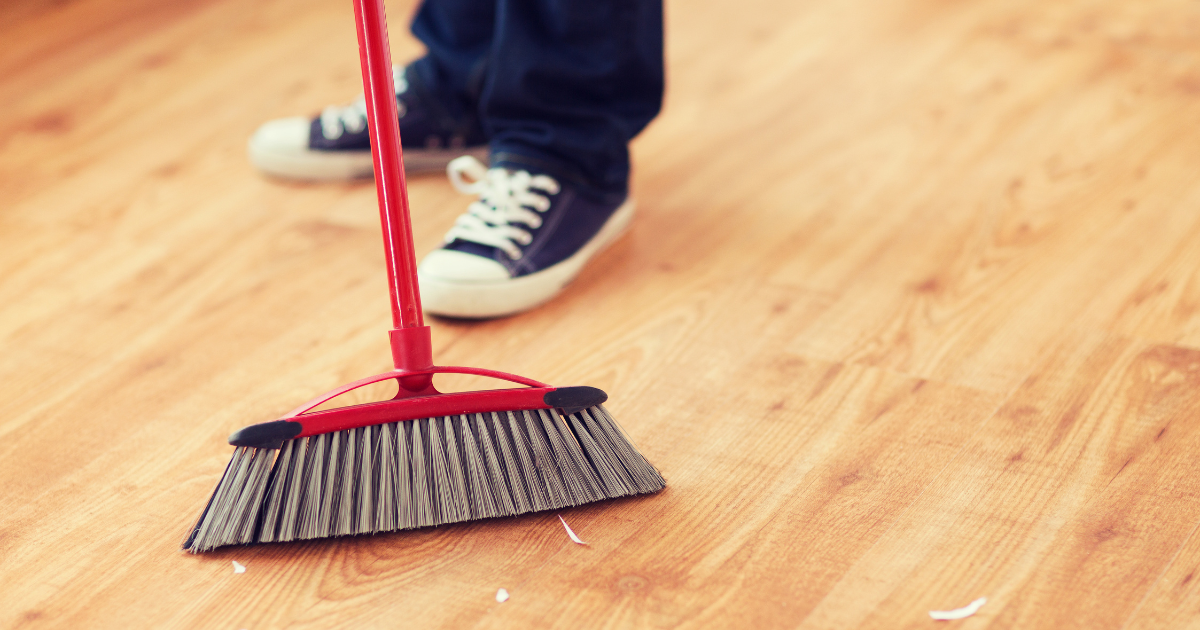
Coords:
569,83
458,39
572,82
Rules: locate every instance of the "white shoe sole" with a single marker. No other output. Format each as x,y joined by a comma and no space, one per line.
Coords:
484,299
291,158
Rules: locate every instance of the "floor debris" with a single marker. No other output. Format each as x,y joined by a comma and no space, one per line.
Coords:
571,533
238,567
959,613
501,595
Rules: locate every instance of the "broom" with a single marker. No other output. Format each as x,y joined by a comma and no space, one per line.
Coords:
422,458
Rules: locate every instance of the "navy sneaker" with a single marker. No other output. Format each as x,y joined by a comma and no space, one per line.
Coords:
519,245
336,145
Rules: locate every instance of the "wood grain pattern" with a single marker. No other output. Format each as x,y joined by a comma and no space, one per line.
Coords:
910,315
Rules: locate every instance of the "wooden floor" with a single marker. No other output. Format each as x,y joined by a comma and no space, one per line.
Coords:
910,316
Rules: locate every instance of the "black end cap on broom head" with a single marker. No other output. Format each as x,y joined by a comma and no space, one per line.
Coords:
574,399
266,435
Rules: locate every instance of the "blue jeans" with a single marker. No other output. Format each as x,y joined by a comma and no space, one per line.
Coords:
559,86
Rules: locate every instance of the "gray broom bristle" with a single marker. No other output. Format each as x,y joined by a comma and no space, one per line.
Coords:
419,473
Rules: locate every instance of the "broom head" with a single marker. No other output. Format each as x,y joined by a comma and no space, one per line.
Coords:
421,459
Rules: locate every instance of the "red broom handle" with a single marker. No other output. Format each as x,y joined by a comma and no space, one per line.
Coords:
411,347
376,57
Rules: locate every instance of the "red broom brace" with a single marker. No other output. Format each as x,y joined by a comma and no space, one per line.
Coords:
319,422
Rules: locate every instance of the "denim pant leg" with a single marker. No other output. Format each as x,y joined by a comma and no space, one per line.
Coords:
570,83
458,37
561,86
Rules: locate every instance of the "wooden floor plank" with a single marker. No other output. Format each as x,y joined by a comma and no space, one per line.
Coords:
1171,603
1091,498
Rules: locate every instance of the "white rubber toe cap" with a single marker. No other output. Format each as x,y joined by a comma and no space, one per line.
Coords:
284,134
448,265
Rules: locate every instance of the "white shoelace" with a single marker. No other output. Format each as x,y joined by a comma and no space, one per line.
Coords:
337,119
506,200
